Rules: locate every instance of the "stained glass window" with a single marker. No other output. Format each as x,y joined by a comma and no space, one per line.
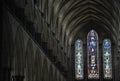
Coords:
79,59
107,59
92,57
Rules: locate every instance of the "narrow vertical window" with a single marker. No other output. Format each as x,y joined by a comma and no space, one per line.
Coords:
92,57
79,59
107,59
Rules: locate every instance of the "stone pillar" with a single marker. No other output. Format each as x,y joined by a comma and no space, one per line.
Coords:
17,78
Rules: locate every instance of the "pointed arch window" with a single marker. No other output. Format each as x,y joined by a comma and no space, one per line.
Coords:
78,59
92,55
93,67
107,59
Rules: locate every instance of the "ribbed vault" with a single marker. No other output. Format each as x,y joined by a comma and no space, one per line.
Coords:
72,16
54,25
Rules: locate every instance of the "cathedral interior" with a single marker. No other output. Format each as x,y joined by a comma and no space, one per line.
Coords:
60,40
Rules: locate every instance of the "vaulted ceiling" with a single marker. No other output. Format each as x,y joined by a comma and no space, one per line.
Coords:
69,20
69,17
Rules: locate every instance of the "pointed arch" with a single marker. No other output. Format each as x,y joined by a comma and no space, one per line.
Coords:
79,59
92,55
107,59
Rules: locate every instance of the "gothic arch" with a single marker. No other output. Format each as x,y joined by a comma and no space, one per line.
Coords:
86,18
83,30
102,37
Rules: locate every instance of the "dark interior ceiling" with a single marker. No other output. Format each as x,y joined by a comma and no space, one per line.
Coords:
74,13
73,19
67,18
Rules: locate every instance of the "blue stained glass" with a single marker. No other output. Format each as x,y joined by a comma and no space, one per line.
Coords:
93,61
78,60
107,45
107,59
